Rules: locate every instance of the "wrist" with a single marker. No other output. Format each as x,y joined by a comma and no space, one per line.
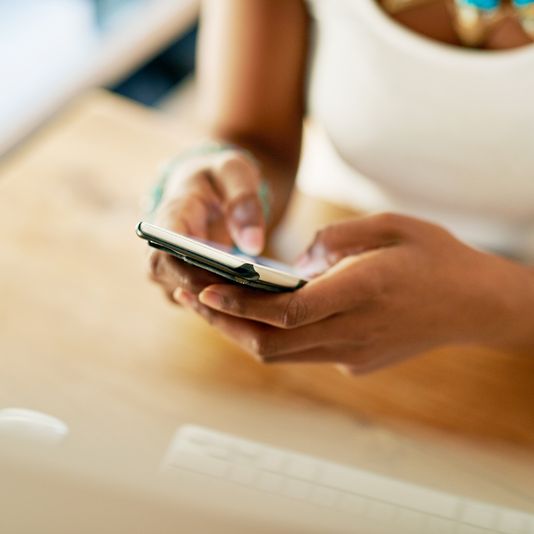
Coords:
279,167
168,170
508,322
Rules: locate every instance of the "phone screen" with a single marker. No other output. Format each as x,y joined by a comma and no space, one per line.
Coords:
260,260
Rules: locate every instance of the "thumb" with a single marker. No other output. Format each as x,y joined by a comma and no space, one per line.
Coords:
352,237
246,224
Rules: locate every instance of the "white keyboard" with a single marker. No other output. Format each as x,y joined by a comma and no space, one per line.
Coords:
407,507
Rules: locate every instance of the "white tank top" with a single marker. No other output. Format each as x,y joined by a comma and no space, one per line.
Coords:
423,128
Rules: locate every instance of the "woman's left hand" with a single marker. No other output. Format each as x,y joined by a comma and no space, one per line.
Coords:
386,287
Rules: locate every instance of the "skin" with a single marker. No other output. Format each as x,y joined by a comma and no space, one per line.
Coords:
432,19
390,287
383,288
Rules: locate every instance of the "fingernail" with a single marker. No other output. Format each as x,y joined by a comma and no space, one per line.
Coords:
250,240
183,297
212,299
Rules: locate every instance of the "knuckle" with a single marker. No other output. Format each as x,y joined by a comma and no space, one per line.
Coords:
245,161
155,266
325,237
392,224
351,366
363,362
207,314
169,295
169,210
361,370
183,279
356,370
294,314
262,345
233,163
167,272
388,218
183,179
189,169
179,190
322,235
238,158
239,171
235,305
190,181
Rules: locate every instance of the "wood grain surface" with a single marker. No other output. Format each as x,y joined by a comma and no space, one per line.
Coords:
81,326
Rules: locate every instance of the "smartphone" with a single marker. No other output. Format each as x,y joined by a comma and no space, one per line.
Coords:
230,263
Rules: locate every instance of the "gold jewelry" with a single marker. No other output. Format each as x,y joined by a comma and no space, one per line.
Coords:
525,10
475,19
473,23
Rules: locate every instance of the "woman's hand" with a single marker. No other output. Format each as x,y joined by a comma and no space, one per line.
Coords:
215,197
387,287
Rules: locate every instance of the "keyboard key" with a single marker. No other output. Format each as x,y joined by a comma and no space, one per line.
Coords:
380,511
243,474
411,508
217,451
188,447
270,482
389,490
199,435
271,461
478,514
468,529
246,448
352,504
302,468
511,522
409,520
324,496
201,464
296,489
243,459
437,525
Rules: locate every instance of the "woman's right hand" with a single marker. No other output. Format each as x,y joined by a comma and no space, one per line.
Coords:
215,197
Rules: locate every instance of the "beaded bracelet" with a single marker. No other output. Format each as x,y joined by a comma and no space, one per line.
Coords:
158,190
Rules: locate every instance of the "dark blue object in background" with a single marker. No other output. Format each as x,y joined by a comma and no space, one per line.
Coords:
155,79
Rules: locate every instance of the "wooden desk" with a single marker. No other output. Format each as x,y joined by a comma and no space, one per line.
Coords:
85,336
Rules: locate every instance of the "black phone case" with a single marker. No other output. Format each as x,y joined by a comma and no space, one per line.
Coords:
245,274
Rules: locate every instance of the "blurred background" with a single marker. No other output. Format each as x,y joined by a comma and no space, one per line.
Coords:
52,50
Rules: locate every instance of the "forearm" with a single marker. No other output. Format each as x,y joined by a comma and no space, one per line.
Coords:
251,74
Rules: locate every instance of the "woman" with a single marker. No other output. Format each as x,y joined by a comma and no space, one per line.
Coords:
445,134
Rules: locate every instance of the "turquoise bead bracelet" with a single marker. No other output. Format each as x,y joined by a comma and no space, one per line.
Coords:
158,190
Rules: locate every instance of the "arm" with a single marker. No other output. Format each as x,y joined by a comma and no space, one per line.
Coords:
252,60
385,288
251,70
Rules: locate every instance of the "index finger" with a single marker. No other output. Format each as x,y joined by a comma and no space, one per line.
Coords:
349,284
171,273
238,180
